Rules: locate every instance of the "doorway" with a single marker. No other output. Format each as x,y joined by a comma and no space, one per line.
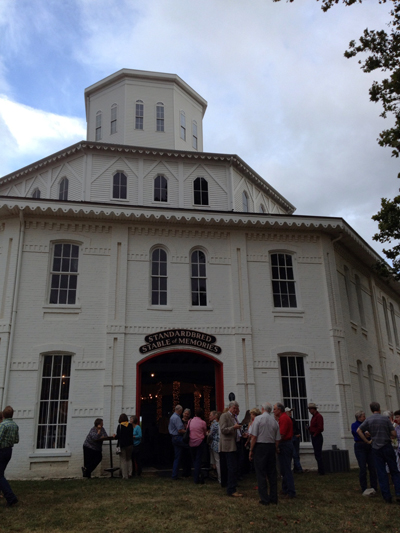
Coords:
188,378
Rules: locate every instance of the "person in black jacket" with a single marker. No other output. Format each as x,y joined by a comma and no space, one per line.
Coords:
125,443
296,442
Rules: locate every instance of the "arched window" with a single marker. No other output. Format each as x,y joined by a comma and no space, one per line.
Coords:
160,189
283,284
183,125
371,383
394,325
113,119
120,186
36,193
200,191
139,115
360,375
98,126
262,208
397,386
360,300
245,200
160,116
199,278
159,277
194,134
63,190
385,313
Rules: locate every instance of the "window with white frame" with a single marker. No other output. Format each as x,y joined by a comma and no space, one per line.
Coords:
394,325
360,376
159,277
200,191
139,115
386,315
64,274
194,134
198,278
160,116
98,126
245,202
348,286
160,189
283,283
371,383
53,403
360,300
36,193
120,186
63,189
113,124
294,390
183,125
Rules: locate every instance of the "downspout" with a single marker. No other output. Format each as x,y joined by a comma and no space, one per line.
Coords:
14,309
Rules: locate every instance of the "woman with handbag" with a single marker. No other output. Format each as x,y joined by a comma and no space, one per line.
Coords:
198,433
125,444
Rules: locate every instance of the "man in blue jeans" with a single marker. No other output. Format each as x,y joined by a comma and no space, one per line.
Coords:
285,450
381,432
363,453
176,430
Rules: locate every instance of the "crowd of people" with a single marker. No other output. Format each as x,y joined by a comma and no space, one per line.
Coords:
265,441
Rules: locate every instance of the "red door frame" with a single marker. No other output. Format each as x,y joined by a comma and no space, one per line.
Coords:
219,377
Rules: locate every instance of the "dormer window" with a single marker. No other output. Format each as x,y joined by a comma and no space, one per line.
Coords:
245,200
160,116
63,190
262,208
139,116
200,191
113,119
98,126
194,134
183,126
120,186
36,193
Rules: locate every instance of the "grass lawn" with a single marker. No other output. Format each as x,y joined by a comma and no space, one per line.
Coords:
153,504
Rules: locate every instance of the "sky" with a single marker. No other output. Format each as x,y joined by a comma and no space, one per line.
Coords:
280,92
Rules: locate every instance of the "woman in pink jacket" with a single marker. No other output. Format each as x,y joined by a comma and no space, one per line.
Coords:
198,433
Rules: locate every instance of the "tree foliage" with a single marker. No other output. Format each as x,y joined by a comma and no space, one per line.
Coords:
382,50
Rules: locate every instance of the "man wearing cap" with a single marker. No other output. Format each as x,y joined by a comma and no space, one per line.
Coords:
296,442
285,450
316,428
264,445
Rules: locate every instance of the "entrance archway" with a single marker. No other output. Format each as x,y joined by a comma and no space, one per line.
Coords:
188,377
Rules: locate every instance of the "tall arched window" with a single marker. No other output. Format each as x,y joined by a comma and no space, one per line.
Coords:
199,278
194,134
360,375
63,190
183,125
371,383
283,283
160,116
347,282
160,189
113,119
262,208
139,115
36,193
200,191
385,313
245,201
120,186
360,300
394,325
98,126
159,277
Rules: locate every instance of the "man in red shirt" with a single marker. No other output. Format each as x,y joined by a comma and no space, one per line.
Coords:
285,450
316,428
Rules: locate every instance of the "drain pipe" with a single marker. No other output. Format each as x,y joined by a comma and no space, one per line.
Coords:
14,309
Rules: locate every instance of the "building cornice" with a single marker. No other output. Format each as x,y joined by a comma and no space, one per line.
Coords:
90,147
